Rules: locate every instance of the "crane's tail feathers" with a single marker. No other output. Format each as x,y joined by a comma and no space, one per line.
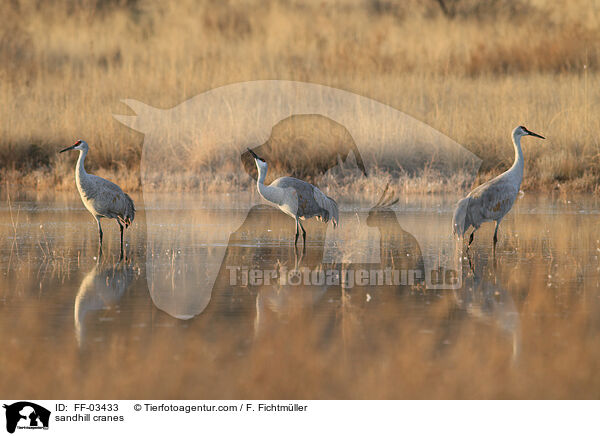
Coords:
329,207
129,212
332,212
459,224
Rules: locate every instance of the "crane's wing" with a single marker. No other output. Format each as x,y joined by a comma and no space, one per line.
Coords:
111,201
492,200
311,200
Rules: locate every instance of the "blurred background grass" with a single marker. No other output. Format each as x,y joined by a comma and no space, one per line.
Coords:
473,70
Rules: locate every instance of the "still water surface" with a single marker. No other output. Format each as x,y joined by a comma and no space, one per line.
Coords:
200,291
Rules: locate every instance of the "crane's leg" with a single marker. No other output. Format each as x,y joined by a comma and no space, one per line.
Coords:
496,237
469,249
470,240
99,236
297,260
470,264
303,237
121,226
297,232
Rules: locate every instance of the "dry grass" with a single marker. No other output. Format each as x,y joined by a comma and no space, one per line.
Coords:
472,73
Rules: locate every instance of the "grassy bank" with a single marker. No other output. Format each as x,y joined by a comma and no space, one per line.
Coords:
472,72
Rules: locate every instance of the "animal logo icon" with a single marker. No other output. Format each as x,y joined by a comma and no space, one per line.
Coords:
26,415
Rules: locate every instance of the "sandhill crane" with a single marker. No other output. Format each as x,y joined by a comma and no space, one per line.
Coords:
102,198
297,198
492,200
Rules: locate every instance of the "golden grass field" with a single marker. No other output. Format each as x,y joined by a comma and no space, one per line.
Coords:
471,70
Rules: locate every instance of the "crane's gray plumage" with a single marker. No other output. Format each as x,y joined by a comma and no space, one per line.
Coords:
297,198
310,199
101,197
492,200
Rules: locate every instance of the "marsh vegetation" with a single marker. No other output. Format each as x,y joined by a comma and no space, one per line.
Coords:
471,70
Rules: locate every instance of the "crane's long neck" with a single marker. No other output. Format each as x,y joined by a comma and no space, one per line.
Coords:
519,164
80,172
269,193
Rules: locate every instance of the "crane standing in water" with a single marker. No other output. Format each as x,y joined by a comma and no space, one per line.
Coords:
297,198
102,198
494,199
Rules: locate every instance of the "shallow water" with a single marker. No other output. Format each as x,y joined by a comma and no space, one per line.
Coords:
191,312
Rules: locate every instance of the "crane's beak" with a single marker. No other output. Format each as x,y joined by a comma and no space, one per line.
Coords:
535,134
255,155
68,148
